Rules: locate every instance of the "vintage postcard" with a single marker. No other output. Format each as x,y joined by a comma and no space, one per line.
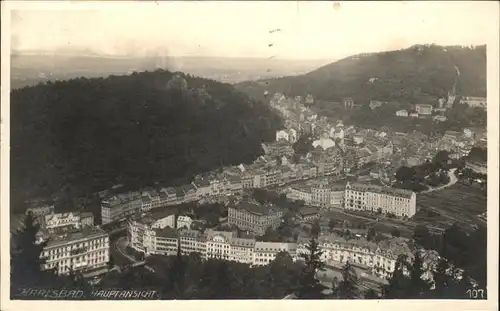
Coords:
156,154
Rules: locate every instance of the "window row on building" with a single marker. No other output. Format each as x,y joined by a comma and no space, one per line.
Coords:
379,259
358,197
84,250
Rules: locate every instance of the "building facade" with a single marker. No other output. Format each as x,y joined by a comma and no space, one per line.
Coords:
378,258
85,251
121,206
184,222
471,101
54,221
424,109
364,197
41,210
321,195
265,252
254,218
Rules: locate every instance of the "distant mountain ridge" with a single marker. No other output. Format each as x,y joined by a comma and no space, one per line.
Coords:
401,75
31,67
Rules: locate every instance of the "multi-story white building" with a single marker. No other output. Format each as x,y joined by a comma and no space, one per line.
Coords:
337,196
247,180
265,252
282,134
479,102
192,241
271,177
218,244
253,217
140,231
300,193
168,196
184,222
41,210
424,109
364,197
120,206
242,250
379,258
86,251
322,195
76,220
146,204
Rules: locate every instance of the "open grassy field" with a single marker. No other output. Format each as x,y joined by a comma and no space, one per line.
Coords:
458,203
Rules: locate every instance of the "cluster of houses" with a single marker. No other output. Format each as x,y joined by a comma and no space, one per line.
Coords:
437,112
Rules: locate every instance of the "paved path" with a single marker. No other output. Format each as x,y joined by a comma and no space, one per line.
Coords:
120,245
453,180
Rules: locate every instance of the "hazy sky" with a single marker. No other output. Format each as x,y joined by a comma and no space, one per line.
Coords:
322,30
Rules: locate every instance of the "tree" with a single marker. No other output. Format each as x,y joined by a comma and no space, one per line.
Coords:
419,287
407,281
176,284
370,294
331,225
315,229
370,235
455,245
405,174
398,283
395,232
421,235
446,283
348,286
441,158
26,260
309,285
221,287
284,275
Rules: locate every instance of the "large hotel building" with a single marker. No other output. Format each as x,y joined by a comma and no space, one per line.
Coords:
85,250
364,197
254,218
377,258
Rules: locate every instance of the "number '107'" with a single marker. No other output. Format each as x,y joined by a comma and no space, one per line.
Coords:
475,293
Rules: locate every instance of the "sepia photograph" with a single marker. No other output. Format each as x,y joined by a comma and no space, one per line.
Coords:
192,150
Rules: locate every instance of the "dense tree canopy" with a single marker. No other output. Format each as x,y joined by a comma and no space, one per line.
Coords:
406,75
89,134
419,74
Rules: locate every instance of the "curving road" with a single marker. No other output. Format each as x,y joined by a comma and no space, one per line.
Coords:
453,180
119,248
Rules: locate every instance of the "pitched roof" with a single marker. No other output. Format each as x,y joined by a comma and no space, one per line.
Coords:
380,189
166,232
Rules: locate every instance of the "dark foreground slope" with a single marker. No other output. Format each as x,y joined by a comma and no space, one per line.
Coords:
88,134
403,75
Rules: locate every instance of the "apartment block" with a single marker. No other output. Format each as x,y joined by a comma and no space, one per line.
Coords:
85,250
254,218
365,197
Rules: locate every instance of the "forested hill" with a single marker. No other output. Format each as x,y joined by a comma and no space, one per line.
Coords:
89,134
396,75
